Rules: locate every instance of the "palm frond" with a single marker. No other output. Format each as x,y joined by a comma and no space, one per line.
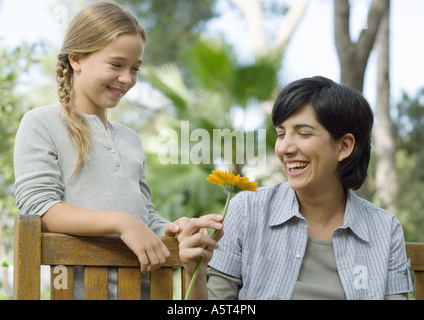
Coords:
169,81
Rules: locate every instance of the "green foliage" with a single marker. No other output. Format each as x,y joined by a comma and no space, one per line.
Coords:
13,65
202,81
205,88
209,64
410,161
410,201
410,128
170,82
171,25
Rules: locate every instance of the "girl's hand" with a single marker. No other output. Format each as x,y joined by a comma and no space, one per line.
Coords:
193,240
175,228
148,247
68,219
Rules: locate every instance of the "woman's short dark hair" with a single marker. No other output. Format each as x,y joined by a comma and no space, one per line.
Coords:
340,110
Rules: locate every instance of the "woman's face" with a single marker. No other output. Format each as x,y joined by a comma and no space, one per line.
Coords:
102,78
309,155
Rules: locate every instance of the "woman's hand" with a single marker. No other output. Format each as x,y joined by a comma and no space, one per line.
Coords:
194,240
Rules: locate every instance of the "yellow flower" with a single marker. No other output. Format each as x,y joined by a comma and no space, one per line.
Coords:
231,182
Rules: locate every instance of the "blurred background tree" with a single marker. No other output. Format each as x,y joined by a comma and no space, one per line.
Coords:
353,58
213,96
171,25
14,65
409,163
212,89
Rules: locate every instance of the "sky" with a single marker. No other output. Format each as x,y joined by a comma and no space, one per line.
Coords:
311,50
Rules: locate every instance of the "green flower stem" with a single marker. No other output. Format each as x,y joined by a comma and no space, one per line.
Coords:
212,236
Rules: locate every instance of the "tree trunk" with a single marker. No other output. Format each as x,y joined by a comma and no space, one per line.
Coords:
353,57
384,137
252,12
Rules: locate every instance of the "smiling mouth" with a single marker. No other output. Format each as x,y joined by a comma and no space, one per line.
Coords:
296,166
117,93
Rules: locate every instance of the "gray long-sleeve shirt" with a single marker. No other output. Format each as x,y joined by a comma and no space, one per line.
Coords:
112,177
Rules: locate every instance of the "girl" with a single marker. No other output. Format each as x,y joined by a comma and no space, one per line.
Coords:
82,174
310,237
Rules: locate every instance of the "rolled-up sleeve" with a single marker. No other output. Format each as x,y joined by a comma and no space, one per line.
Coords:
38,184
399,277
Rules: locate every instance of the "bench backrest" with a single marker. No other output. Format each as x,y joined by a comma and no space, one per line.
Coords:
415,252
32,248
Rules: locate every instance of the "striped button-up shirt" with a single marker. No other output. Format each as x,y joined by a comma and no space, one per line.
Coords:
265,238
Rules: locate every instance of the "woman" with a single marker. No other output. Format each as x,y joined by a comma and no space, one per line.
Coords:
311,237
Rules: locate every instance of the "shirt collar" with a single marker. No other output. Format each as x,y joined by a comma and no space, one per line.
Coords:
285,206
95,120
354,216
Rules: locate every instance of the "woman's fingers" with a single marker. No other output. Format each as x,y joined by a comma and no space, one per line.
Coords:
199,239
211,221
194,243
174,228
192,254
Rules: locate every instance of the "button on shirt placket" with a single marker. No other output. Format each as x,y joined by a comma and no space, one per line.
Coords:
291,272
112,149
299,249
343,253
116,158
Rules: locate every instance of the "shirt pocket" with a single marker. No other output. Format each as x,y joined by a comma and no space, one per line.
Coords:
262,278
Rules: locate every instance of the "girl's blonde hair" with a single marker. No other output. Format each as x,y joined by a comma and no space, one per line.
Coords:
92,29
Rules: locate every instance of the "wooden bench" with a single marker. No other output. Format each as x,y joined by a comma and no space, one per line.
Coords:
32,248
415,252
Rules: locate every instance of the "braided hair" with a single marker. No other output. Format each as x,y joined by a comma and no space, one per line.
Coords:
92,29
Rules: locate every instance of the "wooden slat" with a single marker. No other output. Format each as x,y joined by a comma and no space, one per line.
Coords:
26,266
129,283
61,283
419,285
33,248
161,284
61,249
415,252
95,283
183,283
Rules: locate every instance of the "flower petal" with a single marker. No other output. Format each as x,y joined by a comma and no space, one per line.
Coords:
230,182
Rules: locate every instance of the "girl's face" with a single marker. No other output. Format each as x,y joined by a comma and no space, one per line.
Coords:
309,155
102,78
